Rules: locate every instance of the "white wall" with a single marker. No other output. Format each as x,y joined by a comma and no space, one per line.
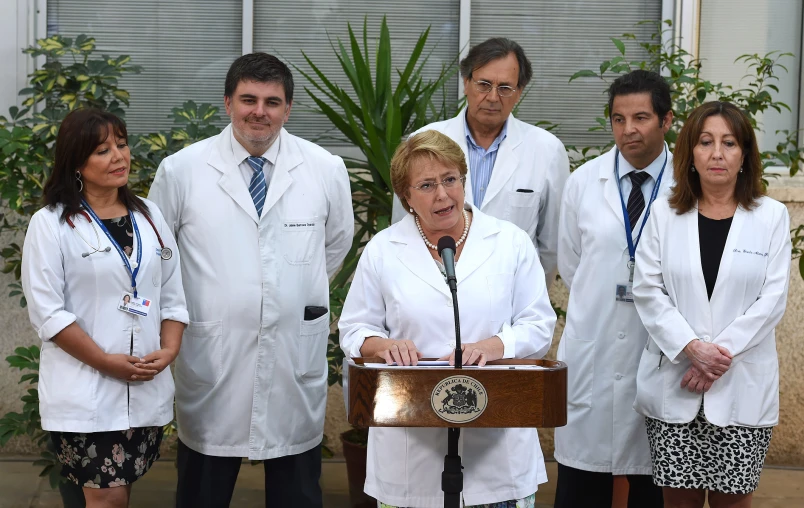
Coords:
18,30
754,27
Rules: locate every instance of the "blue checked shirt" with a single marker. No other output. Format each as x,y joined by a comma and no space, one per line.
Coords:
481,162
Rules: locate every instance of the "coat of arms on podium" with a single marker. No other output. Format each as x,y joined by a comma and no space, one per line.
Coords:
459,399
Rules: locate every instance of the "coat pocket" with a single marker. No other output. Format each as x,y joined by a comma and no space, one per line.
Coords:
200,357
300,240
311,361
579,355
758,402
67,387
521,209
651,383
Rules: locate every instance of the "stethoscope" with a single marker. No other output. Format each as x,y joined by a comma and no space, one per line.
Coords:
164,252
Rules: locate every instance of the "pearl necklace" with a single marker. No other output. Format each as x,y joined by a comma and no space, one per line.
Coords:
458,243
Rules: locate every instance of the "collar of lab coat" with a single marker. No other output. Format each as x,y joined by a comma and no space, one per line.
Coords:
507,158
611,187
415,255
222,158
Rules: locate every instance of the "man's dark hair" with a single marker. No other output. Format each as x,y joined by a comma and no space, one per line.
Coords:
493,49
641,81
262,68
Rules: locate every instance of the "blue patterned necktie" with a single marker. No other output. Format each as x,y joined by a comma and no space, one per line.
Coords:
257,188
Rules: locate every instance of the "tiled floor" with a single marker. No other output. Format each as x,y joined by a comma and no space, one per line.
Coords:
20,487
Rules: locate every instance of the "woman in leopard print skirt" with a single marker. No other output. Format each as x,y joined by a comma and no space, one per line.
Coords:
710,287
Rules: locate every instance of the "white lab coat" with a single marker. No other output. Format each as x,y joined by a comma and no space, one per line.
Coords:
251,378
63,287
602,338
747,303
528,158
399,292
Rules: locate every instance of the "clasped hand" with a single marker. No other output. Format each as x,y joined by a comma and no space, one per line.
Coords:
132,368
709,363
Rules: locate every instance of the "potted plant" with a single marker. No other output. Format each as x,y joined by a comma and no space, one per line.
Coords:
375,122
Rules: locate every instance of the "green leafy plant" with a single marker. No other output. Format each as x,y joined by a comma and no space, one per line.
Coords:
72,77
192,122
689,90
29,422
382,105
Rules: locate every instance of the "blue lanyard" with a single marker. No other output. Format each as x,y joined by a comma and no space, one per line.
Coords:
132,272
632,245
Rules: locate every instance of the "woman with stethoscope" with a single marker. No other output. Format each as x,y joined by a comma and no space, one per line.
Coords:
101,275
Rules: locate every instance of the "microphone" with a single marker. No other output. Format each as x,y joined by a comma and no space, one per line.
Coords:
452,477
87,254
446,250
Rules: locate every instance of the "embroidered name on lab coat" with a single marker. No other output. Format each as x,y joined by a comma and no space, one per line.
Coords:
298,225
754,252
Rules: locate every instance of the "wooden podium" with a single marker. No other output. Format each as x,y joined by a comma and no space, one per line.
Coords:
507,393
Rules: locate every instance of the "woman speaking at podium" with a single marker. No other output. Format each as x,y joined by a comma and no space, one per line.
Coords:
399,308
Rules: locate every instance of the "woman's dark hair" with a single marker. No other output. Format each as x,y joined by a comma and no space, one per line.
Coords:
687,191
80,133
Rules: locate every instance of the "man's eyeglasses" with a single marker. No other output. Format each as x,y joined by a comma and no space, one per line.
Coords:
486,87
430,187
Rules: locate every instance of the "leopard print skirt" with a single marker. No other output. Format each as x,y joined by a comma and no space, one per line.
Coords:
700,455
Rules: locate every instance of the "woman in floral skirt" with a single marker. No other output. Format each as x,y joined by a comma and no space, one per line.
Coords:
101,276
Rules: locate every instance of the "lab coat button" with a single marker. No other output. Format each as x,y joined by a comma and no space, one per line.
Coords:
137,329
618,376
621,335
707,338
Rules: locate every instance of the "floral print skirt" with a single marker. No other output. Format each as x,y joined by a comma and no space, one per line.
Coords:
101,460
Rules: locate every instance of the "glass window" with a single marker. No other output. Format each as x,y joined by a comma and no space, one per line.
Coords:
185,48
285,29
559,39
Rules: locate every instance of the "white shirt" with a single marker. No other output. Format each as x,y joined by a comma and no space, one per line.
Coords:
63,287
653,169
241,154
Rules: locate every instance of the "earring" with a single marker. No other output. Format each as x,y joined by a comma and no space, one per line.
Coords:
741,169
80,182
411,211
692,168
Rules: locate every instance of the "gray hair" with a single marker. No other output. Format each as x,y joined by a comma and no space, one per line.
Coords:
493,49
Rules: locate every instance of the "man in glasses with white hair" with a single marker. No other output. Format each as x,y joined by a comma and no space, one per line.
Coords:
516,170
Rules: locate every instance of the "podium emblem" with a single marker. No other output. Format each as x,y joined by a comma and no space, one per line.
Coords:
459,399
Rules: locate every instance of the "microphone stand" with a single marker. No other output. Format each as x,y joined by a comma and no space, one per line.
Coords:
452,477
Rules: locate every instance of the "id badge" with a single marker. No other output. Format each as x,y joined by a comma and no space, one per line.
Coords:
625,292
136,305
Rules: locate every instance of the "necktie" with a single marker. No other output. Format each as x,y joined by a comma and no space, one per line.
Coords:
257,188
636,201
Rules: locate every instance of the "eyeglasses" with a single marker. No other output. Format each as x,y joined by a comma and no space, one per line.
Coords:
430,187
486,87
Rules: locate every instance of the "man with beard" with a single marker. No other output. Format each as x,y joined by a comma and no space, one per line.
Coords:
262,220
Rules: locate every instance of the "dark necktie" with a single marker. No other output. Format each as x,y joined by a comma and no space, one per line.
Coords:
636,201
